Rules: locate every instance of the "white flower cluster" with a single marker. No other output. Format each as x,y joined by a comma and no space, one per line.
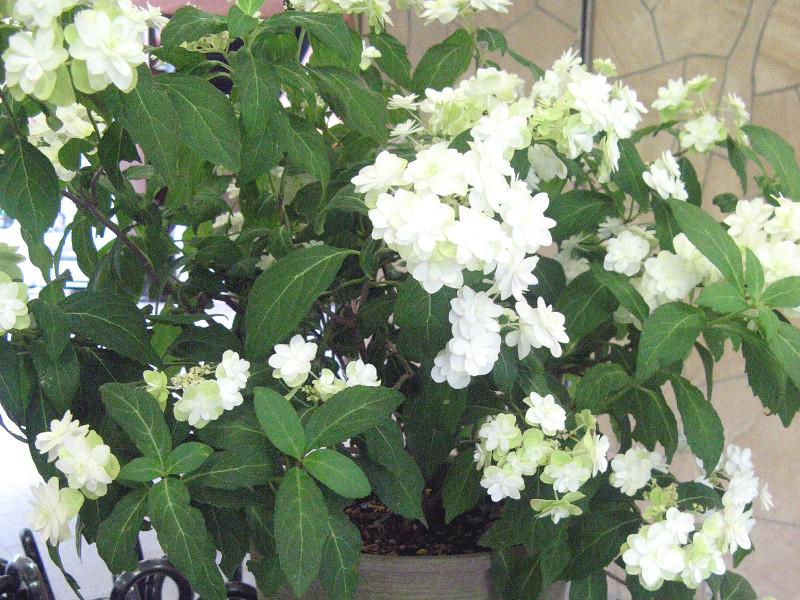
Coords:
377,11
202,399
688,545
76,123
104,45
565,460
292,364
13,304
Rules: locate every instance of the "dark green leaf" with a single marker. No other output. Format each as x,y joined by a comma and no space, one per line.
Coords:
701,423
207,119
307,149
726,202
493,38
576,211
736,587
280,422
629,174
348,413
780,154
345,200
444,63
183,536
462,486
12,399
385,444
143,469
738,160
622,289
694,496
723,297
668,335
138,413
599,385
593,587
59,378
537,71
282,296
504,371
666,225
241,23
585,305
330,29
422,319
708,366
187,457
754,274
784,293
400,490
29,188
234,429
689,178
234,469
655,421
785,346
117,534
301,528
769,380
340,556
597,538
338,472
393,59
116,146
189,24
52,323
711,239
359,107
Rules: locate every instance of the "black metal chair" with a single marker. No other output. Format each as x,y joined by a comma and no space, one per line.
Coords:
21,579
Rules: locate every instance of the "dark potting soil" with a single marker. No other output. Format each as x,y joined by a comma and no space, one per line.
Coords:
385,533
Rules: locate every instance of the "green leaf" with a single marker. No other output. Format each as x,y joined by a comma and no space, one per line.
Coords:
710,239
281,296
244,467
535,69
345,200
29,188
340,557
329,29
736,587
183,536
360,108
726,202
622,289
280,422
738,160
338,472
401,489
666,225
118,533
708,367
689,178
692,494
785,346
187,457
138,413
240,22
422,319
723,297
576,211
189,24
655,421
769,380
234,429
784,293
385,444
754,274
599,385
493,38
668,335
629,174
393,59
504,371
348,413
462,486
111,320
207,119
593,587
780,154
444,63
307,149
12,399
701,423
585,305
116,146
52,324
59,378
301,528
149,116
143,469
598,536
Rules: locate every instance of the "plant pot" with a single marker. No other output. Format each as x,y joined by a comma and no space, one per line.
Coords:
458,577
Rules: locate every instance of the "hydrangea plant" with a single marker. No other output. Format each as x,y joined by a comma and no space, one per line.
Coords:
342,277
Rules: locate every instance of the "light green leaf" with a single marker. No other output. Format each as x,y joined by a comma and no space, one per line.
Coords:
143,469
422,319
701,423
780,154
149,116
710,239
281,296
29,189
576,211
462,486
348,413
280,422
59,378
183,536
360,108
187,457
444,63
622,289
599,385
189,24
207,119
668,335
784,293
340,556
785,346
723,297
736,587
137,412
338,472
301,528
111,320
117,534
52,324
244,467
